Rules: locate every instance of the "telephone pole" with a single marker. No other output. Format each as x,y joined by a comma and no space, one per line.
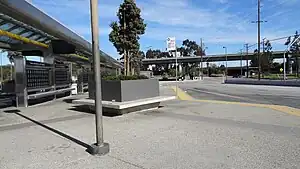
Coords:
258,37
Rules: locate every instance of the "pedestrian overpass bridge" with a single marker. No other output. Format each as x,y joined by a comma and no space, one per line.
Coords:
28,31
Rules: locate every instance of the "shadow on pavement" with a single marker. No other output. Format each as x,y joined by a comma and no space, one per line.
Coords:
69,100
17,112
82,109
89,110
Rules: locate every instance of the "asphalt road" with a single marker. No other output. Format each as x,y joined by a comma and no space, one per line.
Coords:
213,89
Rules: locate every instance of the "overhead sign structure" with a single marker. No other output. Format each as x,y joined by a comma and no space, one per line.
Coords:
171,44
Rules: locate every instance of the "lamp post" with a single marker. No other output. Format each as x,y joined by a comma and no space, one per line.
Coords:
226,71
241,63
100,148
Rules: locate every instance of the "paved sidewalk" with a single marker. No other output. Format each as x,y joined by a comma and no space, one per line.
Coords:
181,134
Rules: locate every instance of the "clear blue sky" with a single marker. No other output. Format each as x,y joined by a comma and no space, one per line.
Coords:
218,22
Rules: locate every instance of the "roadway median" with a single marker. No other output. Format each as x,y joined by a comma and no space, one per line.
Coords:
290,83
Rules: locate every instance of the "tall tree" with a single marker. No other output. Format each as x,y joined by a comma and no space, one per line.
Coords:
254,59
191,48
295,50
267,58
157,54
136,62
126,32
11,55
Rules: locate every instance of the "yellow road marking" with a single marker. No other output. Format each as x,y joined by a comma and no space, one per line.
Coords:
285,109
181,94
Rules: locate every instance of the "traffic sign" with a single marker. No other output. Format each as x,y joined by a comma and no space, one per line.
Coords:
281,70
171,43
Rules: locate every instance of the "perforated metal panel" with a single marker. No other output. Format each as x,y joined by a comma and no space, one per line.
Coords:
38,75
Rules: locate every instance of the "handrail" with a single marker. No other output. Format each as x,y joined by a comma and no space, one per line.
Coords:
23,39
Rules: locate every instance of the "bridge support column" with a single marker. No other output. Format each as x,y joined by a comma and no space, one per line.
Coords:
80,80
180,68
298,65
20,81
290,67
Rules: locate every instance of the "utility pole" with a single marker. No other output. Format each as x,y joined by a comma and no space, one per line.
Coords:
100,148
263,44
247,64
201,61
258,37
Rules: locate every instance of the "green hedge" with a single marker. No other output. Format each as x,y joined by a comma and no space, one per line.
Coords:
122,77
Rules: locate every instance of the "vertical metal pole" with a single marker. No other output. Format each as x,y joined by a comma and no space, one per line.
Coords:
241,63
284,67
100,147
226,73
176,72
201,61
258,38
247,64
11,71
1,66
263,55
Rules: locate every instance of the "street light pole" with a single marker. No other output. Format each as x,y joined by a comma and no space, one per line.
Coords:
201,61
241,63
176,69
100,148
226,72
247,64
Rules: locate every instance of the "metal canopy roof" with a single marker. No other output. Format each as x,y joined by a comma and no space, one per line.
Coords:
13,26
20,18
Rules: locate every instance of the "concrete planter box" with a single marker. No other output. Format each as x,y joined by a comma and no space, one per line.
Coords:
126,90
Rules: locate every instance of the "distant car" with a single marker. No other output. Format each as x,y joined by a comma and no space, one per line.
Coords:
182,78
236,76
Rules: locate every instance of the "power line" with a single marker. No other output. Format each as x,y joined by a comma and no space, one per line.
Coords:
271,40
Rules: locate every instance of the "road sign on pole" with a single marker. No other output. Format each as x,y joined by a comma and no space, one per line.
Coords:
171,44
281,70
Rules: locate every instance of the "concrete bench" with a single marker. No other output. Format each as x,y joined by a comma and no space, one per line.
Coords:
49,93
120,108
